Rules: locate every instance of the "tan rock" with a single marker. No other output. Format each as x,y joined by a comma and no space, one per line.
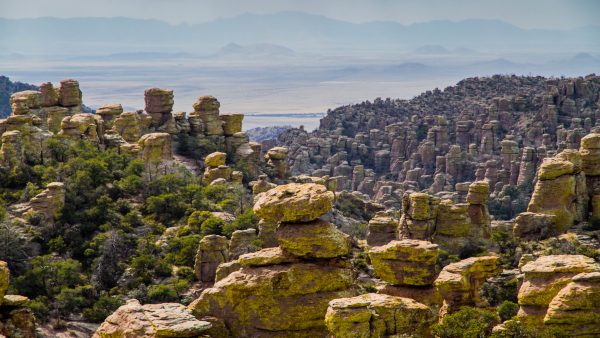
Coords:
315,239
381,230
294,202
212,251
232,123
69,94
376,315
151,321
405,262
215,159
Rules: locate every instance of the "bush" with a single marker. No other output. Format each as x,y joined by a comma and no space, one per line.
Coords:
212,226
182,250
507,310
162,293
246,220
102,308
468,322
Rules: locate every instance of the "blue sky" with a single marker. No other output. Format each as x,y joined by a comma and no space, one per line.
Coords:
558,14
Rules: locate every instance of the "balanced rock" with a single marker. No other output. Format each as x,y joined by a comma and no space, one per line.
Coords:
109,112
405,262
69,94
151,321
376,315
158,101
294,202
206,110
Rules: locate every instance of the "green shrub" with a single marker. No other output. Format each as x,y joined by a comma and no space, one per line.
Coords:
102,308
162,293
507,310
182,250
468,322
246,220
212,226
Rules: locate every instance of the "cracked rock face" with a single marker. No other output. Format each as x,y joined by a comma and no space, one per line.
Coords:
376,315
151,321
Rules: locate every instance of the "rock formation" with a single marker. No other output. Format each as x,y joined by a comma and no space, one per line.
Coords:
284,291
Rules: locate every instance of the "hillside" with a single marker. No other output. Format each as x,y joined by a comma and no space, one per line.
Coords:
468,210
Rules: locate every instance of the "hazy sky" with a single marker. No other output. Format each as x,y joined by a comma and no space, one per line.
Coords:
523,13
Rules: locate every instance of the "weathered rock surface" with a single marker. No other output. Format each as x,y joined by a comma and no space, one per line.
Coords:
315,239
151,321
212,251
405,262
294,202
459,283
375,315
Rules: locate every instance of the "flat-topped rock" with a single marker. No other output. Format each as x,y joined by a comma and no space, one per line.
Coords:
405,262
266,257
215,159
294,203
151,321
158,100
315,239
377,315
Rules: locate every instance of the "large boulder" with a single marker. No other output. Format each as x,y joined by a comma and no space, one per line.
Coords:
544,278
405,262
69,94
212,251
151,321
376,315
284,300
316,239
575,310
460,283
382,229
294,202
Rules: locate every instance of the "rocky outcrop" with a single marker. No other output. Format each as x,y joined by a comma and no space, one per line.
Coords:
375,315
109,112
284,291
83,126
544,278
242,242
459,283
405,262
575,310
382,229
16,319
205,117
151,321
156,152
212,251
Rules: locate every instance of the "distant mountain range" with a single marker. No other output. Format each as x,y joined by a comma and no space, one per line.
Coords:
296,31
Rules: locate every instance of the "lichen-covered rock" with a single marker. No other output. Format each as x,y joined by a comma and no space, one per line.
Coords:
48,202
131,125
87,126
575,310
156,152
315,239
4,278
242,242
266,233
12,149
109,112
49,94
590,154
553,168
376,315
158,101
405,262
288,300
151,321
206,110
544,278
69,94
224,269
419,212
381,230
212,251
261,185
232,123
534,226
294,202
266,257
215,159
22,102
459,283
276,159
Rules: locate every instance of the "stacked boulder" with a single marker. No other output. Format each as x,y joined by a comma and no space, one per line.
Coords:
408,268
459,283
419,212
285,291
83,126
276,159
217,172
46,204
16,319
560,197
159,105
543,301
